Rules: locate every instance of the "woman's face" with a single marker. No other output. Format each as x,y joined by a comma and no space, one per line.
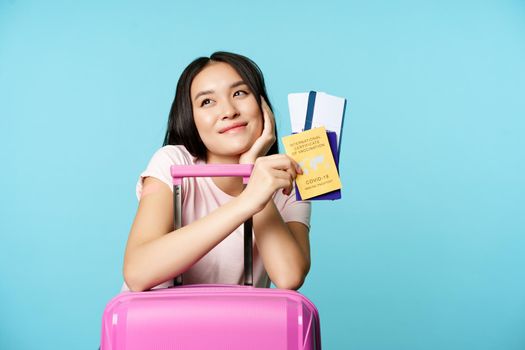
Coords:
225,111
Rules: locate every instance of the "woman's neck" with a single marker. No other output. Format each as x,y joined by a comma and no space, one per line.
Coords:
229,185
220,159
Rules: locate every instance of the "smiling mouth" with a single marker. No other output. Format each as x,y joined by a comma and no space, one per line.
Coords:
233,128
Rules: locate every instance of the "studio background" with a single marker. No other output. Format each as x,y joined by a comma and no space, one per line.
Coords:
426,250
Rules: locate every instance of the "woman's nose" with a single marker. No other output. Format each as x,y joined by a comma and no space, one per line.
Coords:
229,110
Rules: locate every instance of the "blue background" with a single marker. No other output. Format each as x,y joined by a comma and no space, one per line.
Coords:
425,251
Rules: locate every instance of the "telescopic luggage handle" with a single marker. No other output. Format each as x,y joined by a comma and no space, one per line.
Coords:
210,170
178,172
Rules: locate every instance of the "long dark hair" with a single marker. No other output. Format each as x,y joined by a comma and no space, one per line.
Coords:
181,128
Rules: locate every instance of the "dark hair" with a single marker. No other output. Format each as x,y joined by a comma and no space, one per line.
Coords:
181,128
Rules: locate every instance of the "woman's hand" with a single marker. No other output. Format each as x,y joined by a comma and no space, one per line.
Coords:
270,173
262,145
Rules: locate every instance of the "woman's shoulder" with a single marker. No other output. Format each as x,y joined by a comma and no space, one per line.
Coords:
173,154
160,163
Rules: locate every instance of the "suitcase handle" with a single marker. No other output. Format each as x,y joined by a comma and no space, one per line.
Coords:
210,170
178,172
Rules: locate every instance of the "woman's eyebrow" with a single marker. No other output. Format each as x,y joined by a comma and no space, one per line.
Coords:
238,83
203,93
206,92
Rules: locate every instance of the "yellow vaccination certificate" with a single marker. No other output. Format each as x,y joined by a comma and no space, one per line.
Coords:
311,150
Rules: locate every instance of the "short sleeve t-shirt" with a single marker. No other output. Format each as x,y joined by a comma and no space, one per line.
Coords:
200,196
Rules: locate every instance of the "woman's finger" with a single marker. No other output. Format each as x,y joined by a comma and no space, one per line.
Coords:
283,180
282,175
282,161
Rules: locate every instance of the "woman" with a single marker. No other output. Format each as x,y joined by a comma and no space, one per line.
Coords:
220,114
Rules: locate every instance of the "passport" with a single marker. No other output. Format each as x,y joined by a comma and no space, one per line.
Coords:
315,109
311,149
334,195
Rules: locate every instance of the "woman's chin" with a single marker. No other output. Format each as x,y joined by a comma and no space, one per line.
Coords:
230,154
238,148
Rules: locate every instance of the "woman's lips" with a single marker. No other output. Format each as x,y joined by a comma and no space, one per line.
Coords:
233,128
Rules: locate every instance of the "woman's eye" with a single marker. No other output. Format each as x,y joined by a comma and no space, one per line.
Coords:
240,93
205,102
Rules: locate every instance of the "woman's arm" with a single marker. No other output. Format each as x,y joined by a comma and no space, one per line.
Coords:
155,253
284,247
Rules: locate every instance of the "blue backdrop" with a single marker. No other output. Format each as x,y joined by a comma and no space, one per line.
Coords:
425,251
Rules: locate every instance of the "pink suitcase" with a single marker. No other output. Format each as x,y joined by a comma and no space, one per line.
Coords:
211,316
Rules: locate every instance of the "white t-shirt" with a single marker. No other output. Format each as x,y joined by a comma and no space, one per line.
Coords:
224,264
